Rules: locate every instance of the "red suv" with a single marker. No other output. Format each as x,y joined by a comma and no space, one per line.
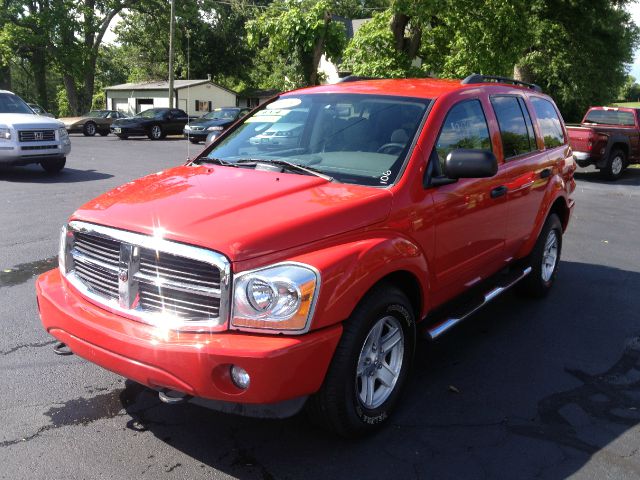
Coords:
298,258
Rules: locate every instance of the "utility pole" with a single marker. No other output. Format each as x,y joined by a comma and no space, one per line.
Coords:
171,29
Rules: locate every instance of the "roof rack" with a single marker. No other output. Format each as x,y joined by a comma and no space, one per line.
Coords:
356,78
479,78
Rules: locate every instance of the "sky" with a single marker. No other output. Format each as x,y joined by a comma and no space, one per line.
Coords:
634,9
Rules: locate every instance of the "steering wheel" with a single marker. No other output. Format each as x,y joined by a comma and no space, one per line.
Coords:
391,148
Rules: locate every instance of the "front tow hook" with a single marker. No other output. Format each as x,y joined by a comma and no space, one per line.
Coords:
173,397
62,349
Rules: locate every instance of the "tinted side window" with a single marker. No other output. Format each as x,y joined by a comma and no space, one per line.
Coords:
464,127
516,139
550,124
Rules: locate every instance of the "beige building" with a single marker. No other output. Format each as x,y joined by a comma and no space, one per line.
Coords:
196,97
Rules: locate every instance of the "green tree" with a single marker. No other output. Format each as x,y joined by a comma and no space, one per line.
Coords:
299,32
577,51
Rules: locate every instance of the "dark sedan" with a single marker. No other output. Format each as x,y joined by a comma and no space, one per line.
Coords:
155,123
214,123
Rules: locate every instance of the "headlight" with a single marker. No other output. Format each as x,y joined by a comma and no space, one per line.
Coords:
63,134
215,129
5,133
187,127
279,298
64,252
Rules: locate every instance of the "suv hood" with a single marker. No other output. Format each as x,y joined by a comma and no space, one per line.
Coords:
242,213
27,120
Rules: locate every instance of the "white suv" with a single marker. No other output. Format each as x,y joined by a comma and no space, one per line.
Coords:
29,138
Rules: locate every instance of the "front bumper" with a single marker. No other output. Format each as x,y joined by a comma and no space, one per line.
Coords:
24,153
129,131
200,135
584,159
198,364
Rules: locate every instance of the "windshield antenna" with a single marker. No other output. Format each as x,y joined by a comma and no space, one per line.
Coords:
188,93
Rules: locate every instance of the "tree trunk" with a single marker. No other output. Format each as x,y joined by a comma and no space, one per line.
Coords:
399,23
522,73
72,94
5,77
318,48
39,66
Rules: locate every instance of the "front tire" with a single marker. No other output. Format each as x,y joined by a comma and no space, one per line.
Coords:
543,260
53,166
369,367
616,164
156,132
89,129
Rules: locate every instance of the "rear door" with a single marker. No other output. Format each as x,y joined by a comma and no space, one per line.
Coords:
524,161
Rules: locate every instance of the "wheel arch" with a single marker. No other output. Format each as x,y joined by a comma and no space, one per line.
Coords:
406,282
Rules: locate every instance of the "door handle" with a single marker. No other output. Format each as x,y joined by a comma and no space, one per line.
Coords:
546,173
499,191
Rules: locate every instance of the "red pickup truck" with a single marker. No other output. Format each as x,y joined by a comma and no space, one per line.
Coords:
298,258
608,138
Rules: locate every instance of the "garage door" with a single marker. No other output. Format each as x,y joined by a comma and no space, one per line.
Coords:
121,105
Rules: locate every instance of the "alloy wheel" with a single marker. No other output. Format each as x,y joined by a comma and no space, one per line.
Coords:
380,362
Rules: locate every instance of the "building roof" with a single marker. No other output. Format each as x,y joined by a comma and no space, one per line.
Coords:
164,85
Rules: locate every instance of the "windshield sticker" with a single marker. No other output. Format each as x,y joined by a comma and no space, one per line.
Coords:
384,178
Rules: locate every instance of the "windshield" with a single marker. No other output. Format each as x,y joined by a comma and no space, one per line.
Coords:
354,138
222,114
610,117
151,113
97,114
10,103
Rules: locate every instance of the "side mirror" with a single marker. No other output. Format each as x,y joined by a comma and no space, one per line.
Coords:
465,163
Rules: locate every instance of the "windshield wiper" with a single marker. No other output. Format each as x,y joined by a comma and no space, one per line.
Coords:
292,166
219,161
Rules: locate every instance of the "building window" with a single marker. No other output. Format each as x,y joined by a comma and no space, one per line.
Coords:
203,106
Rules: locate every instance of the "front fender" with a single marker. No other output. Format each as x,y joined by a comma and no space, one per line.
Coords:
349,270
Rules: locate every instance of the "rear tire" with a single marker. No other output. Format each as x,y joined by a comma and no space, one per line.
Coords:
194,141
616,164
54,165
543,260
89,129
104,133
123,137
369,367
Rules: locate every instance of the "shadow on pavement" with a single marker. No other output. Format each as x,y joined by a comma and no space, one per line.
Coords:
631,176
540,388
35,174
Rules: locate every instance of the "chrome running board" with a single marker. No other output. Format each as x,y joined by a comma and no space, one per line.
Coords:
442,327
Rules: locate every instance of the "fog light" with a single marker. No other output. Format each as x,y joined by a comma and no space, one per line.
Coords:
240,377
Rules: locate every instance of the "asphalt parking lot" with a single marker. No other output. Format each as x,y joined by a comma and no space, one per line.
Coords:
523,389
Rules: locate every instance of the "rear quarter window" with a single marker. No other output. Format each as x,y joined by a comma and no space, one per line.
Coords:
549,122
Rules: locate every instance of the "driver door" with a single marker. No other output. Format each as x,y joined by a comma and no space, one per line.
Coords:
469,214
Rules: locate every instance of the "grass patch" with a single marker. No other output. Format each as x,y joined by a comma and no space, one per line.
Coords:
627,104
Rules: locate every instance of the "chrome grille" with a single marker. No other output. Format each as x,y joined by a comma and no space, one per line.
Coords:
149,278
36,135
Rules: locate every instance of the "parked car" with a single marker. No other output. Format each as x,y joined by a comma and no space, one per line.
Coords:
155,123
212,123
283,133
608,138
271,280
27,138
38,110
96,121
